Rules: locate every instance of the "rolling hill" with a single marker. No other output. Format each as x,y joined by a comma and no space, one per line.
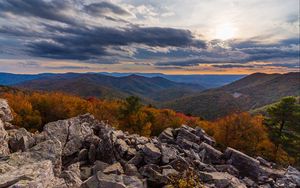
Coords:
103,86
248,93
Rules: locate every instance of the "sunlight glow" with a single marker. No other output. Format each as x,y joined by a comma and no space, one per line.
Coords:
225,32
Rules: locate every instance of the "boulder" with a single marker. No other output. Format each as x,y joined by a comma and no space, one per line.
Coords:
263,162
86,172
167,136
179,164
221,180
227,168
184,133
153,174
20,140
169,153
122,147
4,150
71,132
48,150
137,159
37,174
204,137
99,166
204,167
101,180
105,150
115,168
246,165
152,154
72,176
208,154
131,170
291,178
5,112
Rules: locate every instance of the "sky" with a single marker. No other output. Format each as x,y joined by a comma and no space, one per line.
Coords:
169,36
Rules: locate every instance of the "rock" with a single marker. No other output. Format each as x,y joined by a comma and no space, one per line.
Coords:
20,140
248,182
169,171
204,167
209,154
101,180
83,155
204,137
221,180
227,168
137,159
71,132
263,162
5,112
99,166
180,164
122,147
85,172
184,133
105,150
38,174
168,153
290,179
115,168
167,136
153,174
4,150
131,170
141,140
151,153
246,165
92,153
72,176
183,143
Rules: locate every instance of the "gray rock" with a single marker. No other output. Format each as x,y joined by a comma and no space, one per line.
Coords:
71,132
169,153
221,180
131,170
209,154
20,140
246,165
204,167
5,112
105,150
180,164
291,178
4,150
85,172
92,153
141,140
101,180
227,168
204,137
122,147
263,162
72,176
167,136
184,133
152,154
37,174
183,143
115,168
99,166
153,174
83,155
137,159
169,171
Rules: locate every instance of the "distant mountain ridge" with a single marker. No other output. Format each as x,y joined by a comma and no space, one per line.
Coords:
253,91
104,86
208,81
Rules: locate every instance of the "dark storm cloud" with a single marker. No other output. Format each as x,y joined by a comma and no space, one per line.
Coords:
52,10
104,8
88,43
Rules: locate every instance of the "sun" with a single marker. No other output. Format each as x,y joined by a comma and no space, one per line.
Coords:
225,32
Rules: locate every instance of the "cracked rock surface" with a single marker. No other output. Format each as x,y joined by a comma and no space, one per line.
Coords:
83,152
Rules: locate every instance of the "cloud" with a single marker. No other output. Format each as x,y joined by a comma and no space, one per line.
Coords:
51,10
104,8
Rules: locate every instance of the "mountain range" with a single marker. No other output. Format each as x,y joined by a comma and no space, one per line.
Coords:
248,93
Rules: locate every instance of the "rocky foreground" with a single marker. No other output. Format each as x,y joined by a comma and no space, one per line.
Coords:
83,152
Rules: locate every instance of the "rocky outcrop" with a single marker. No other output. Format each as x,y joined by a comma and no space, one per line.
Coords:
83,152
